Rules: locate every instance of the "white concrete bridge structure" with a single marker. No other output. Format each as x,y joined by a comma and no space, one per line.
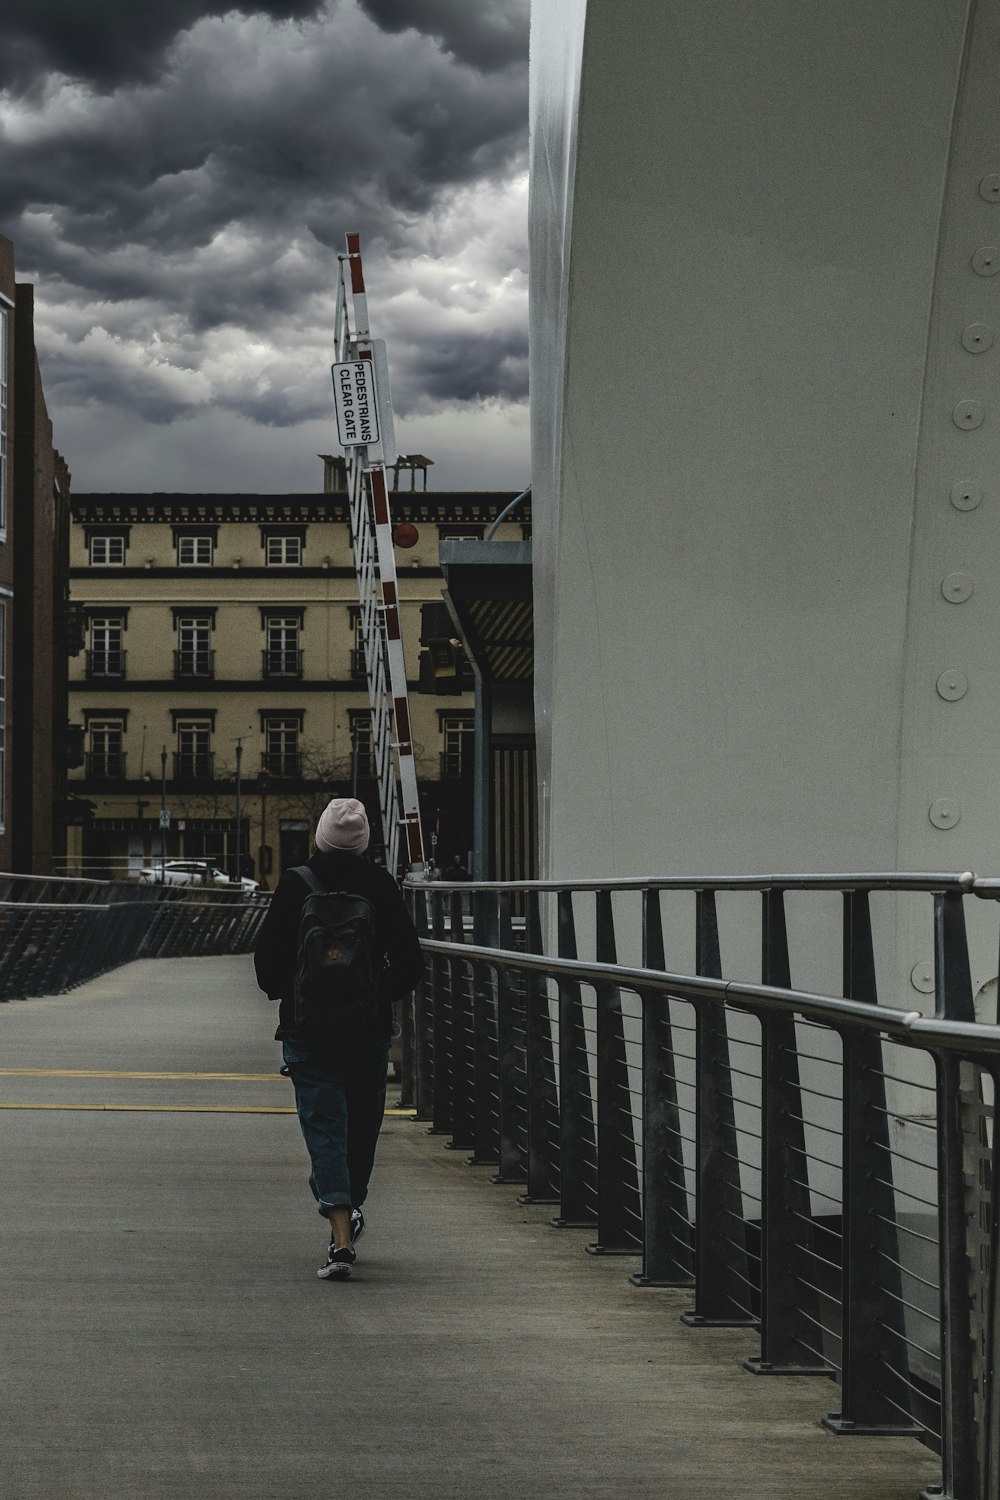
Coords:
766,424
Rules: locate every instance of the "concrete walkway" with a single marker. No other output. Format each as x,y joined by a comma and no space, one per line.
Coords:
165,1336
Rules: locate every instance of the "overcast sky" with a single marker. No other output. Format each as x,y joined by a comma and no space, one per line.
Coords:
178,179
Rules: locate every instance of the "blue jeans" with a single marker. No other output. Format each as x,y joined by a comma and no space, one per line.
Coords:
340,1100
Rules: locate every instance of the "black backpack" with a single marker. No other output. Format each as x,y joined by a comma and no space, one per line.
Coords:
336,968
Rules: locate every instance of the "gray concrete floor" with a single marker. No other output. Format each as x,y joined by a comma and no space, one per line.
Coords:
165,1336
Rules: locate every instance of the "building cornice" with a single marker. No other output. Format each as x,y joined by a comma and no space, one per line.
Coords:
211,686
286,575
445,507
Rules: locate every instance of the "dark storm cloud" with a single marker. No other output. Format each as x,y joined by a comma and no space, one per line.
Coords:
182,228
108,42
151,173
485,34
468,368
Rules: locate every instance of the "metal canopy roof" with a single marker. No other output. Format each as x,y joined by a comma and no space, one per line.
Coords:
488,592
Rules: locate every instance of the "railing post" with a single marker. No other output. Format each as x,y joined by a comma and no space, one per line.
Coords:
954,1002
510,1040
425,1000
485,1031
667,1242
619,1214
407,1052
57,973
441,1110
90,938
13,952
463,1042
408,1018
721,1260
576,1115
785,1207
871,1285
58,954
543,1095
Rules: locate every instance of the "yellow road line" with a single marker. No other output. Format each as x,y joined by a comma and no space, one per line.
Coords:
107,1073
163,1109
187,1109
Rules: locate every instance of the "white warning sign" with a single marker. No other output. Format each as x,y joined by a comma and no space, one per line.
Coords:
354,398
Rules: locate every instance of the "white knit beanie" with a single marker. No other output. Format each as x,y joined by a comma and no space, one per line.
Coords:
343,825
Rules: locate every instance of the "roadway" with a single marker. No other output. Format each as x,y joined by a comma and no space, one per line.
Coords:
166,1337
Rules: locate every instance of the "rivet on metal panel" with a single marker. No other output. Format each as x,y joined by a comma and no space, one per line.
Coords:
966,495
922,978
969,414
952,685
977,338
945,812
989,188
957,587
986,261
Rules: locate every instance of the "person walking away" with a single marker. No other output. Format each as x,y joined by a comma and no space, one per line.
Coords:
339,1076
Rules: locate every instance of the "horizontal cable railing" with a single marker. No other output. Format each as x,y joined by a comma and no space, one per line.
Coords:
57,931
816,1166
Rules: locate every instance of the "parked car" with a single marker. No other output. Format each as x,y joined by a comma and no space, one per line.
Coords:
193,872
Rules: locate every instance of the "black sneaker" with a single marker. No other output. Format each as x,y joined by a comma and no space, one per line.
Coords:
357,1225
338,1264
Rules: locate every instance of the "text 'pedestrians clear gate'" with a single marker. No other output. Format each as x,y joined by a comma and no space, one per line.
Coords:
354,398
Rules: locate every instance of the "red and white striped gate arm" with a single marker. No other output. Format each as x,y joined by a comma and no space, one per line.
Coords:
378,592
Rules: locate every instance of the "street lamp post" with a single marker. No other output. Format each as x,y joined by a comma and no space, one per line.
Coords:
163,813
239,812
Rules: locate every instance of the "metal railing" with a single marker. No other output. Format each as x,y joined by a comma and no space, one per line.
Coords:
194,765
281,661
816,1168
57,931
104,765
194,663
284,765
106,663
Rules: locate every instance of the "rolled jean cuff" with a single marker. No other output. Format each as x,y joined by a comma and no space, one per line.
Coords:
324,1205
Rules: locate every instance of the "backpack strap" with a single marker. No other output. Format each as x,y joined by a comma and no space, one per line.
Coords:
308,879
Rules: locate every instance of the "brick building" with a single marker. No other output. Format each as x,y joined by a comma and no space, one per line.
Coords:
34,591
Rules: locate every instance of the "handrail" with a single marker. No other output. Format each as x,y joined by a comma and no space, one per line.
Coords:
511,505
817,1168
966,1037
900,1024
57,905
884,881
93,906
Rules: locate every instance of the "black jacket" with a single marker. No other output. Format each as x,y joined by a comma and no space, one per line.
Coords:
277,943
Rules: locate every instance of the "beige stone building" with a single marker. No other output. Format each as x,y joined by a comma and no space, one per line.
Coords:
223,674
